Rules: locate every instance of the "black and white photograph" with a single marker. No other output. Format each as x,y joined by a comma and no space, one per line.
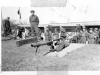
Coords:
51,40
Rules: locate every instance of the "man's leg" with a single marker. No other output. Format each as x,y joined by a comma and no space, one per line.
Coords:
37,31
32,31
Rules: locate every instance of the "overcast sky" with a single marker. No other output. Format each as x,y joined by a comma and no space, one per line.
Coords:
75,11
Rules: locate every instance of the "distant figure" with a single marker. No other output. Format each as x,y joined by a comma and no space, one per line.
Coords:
83,36
97,35
62,32
7,27
91,37
34,22
48,34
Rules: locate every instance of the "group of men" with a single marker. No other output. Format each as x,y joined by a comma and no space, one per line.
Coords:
49,34
91,36
34,22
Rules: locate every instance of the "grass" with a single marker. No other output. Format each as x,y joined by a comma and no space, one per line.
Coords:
23,58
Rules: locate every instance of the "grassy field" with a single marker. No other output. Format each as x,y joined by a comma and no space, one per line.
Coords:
86,58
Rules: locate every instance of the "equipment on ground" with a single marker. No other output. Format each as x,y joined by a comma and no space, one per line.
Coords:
38,44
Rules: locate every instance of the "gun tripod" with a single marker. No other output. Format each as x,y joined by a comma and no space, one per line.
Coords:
36,48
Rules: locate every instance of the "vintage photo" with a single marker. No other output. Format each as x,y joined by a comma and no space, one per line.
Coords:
51,38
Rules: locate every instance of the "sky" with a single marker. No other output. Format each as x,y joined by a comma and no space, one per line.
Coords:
74,11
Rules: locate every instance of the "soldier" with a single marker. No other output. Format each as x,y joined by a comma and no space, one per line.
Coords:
48,34
34,22
91,37
7,27
62,32
83,36
61,45
97,35
55,34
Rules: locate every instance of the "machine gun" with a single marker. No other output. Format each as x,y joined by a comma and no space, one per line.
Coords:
38,44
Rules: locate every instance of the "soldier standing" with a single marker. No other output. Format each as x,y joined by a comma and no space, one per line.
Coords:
48,34
91,37
62,32
7,27
97,35
83,36
86,34
34,22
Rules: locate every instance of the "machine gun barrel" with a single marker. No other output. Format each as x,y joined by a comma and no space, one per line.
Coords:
43,43
38,44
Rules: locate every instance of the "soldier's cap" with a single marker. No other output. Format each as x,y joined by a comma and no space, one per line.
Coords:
32,11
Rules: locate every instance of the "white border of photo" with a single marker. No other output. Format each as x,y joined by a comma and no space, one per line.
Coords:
27,3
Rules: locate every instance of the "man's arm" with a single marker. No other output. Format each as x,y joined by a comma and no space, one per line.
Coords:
37,19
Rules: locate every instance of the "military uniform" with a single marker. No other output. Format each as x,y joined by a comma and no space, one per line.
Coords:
48,35
91,38
83,37
62,44
97,35
34,21
7,27
63,33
